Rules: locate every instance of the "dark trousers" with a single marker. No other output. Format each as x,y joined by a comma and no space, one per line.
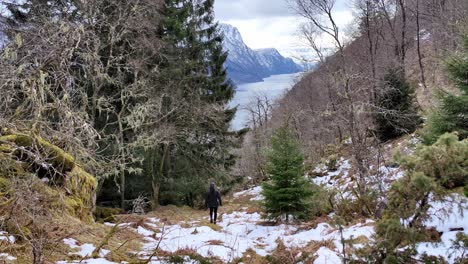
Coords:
213,210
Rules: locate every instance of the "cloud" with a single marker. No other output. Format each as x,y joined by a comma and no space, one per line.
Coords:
251,9
257,9
271,23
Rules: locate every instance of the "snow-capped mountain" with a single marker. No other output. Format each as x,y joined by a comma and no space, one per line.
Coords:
245,65
275,62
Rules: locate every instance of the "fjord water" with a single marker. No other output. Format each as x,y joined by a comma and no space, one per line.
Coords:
272,87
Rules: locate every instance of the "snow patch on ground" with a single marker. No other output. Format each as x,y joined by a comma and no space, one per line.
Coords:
4,236
241,231
85,251
5,256
255,192
343,183
326,256
446,215
88,261
442,248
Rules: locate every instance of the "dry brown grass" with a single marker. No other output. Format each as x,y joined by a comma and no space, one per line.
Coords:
215,242
125,240
120,244
190,252
312,224
313,246
251,257
172,214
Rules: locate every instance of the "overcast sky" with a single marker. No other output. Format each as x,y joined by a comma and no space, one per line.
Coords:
271,23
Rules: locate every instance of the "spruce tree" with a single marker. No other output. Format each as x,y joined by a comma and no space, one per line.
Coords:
289,191
195,79
452,114
396,113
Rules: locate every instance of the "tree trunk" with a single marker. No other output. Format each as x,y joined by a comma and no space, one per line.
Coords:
403,34
155,187
122,188
38,256
418,29
161,173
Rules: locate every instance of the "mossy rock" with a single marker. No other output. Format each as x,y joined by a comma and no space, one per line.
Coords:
106,214
75,190
19,139
82,188
54,155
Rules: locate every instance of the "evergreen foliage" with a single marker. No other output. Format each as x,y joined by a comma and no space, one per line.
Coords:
137,88
289,192
429,169
452,114
445,161
196,92
396,112
402,222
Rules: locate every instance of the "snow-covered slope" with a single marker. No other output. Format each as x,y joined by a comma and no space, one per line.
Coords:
275,63
241,63
246,65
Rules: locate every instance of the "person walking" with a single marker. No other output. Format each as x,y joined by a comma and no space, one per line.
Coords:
213,200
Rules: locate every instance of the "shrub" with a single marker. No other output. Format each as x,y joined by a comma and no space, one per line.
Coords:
445,161
332,163
401,227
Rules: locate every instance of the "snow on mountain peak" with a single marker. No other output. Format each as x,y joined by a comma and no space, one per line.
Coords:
231,33
246,65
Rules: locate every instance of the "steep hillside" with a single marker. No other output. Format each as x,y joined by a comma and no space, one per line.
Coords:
184,235
245,65
342,92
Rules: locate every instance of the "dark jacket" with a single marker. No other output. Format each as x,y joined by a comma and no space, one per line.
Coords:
213,198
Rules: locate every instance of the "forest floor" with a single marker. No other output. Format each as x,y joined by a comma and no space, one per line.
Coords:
184,235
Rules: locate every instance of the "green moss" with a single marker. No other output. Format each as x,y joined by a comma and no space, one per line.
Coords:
6,149
82,187
76,192
106,214
4,184
19,139
9,167
57,157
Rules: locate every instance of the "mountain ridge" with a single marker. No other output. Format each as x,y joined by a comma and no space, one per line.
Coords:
246,65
